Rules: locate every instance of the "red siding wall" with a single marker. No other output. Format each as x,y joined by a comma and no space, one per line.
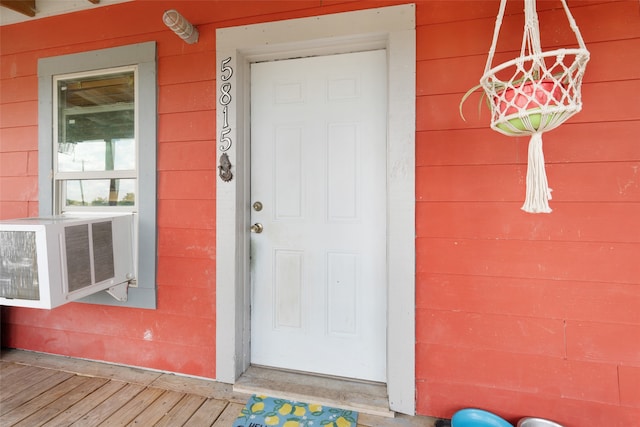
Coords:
519,314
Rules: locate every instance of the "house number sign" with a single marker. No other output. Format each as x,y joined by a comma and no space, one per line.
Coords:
225,140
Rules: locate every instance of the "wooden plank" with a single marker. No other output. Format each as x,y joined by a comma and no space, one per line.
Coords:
603,182
20,397
208,412
400,420
157,409
571,182
193,96
608,101
544,337
443,11
182,411
112,404
584,222
172,157
201,387
231,412
354,395
606,343
64,402
14,209
550,299
134,407
18,139
571,142
83,367
502,370
20,89
7,367
598,262
23,113
20,379
607,64
86,405
191,126
196,213
40,401
13,371
189,67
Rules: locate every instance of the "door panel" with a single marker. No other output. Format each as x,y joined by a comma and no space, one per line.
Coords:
318,166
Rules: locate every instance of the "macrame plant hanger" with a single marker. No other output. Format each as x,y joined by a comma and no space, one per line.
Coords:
534,93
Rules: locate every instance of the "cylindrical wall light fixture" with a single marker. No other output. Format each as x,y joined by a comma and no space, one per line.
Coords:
180,26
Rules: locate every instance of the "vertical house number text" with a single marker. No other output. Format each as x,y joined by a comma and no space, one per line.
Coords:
224,167
225,99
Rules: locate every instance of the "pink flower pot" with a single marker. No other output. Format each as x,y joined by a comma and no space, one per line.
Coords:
529,96
521,98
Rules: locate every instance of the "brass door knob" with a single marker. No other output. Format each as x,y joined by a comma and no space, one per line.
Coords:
257,228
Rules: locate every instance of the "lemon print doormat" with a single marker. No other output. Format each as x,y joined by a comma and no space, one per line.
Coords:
262,411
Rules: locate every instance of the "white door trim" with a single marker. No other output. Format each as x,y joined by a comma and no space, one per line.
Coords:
391,28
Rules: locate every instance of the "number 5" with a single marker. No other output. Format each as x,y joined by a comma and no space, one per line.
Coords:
225,140
226,69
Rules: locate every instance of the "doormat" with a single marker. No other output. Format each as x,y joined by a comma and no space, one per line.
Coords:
263,411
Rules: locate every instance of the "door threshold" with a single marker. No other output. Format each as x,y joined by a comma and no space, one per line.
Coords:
364,397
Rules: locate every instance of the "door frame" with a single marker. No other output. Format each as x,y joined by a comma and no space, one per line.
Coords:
391,28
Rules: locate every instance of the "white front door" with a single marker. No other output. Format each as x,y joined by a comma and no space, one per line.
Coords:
318,169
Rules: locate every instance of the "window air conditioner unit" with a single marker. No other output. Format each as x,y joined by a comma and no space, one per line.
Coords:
47,262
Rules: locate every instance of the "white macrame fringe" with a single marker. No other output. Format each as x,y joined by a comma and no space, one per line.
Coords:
538,191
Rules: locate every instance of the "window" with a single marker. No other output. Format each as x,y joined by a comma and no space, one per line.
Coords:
95,165
97,146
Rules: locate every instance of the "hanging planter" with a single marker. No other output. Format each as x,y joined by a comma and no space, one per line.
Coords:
521,104
534,93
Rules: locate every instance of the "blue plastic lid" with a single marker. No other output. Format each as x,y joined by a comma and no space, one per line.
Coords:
477,418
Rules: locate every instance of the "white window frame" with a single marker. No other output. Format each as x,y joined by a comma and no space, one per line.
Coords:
142,57
59,195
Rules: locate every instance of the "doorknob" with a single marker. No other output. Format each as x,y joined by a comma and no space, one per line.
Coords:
257,228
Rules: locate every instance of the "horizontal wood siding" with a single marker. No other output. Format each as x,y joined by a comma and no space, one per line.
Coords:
519,314
527,314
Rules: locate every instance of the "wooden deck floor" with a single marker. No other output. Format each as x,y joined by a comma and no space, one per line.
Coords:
45,390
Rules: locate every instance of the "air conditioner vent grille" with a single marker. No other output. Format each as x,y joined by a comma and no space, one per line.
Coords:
76,238
18,265
103,251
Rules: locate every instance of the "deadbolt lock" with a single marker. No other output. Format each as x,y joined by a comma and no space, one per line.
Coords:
257,206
